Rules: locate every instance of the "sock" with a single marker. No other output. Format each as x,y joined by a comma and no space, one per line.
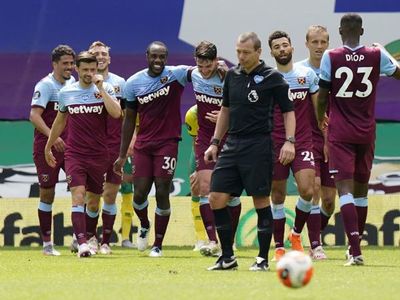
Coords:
224,228
362,211
278,213
45,218
198,222
126,216
235,208
208,219
314,227
350,221
141,212
160,225
303,209
324,218
92,218
79,223
109,212
264,230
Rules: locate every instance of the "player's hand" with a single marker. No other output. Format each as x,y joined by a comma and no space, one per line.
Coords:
118,165
59,145
377,45
286,155
50,159
212,116
98,81
211,154
222,68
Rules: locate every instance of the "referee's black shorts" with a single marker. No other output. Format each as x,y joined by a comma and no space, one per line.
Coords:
244,163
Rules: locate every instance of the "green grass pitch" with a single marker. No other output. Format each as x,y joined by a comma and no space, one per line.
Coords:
181,274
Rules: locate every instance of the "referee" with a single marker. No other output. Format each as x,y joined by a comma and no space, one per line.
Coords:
251,90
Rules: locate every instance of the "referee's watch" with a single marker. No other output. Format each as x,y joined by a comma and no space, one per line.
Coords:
291,139
215,141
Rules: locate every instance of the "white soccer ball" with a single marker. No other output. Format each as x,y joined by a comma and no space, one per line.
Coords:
295,269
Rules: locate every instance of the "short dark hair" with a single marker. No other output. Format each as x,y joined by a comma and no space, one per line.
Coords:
157,43
206,50
61,50
277,35
86,57
351,21
99,44
316,28
244,37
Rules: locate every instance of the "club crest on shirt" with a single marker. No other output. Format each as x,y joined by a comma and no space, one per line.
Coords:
253,96
36,95
117,89
164,79
45,177
97,95
218,90
301,80
69,179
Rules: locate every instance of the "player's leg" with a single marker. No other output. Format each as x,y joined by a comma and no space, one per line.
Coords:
126,205
343,162
328,195
78,219
211,249
364,159
200,233
278,195
142,180
164,165
109,211
48,177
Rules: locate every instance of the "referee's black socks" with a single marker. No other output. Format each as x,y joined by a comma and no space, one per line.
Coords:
264,230
224,228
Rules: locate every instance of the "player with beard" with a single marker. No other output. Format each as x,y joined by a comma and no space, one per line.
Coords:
349,77
317,41
208,88
155,95
303,88
44,109
86,104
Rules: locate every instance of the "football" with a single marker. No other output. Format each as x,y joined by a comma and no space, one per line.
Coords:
295,269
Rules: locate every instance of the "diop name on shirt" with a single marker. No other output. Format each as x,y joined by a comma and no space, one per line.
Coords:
210,100
83,109
150,97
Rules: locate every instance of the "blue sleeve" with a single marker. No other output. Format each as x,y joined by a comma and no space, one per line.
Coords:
42,94
314,87
325,67
181,73
61,102
128,91
387,66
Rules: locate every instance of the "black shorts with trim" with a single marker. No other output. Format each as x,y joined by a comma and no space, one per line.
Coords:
244,163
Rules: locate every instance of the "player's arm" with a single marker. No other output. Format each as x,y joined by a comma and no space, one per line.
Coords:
220,129
128,127
396,73
56,130
324,88
36,119
281,96
112,104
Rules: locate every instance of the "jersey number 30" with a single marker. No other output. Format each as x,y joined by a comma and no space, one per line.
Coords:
343,92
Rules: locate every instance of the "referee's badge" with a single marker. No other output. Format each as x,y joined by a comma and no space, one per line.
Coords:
258,79
252,96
